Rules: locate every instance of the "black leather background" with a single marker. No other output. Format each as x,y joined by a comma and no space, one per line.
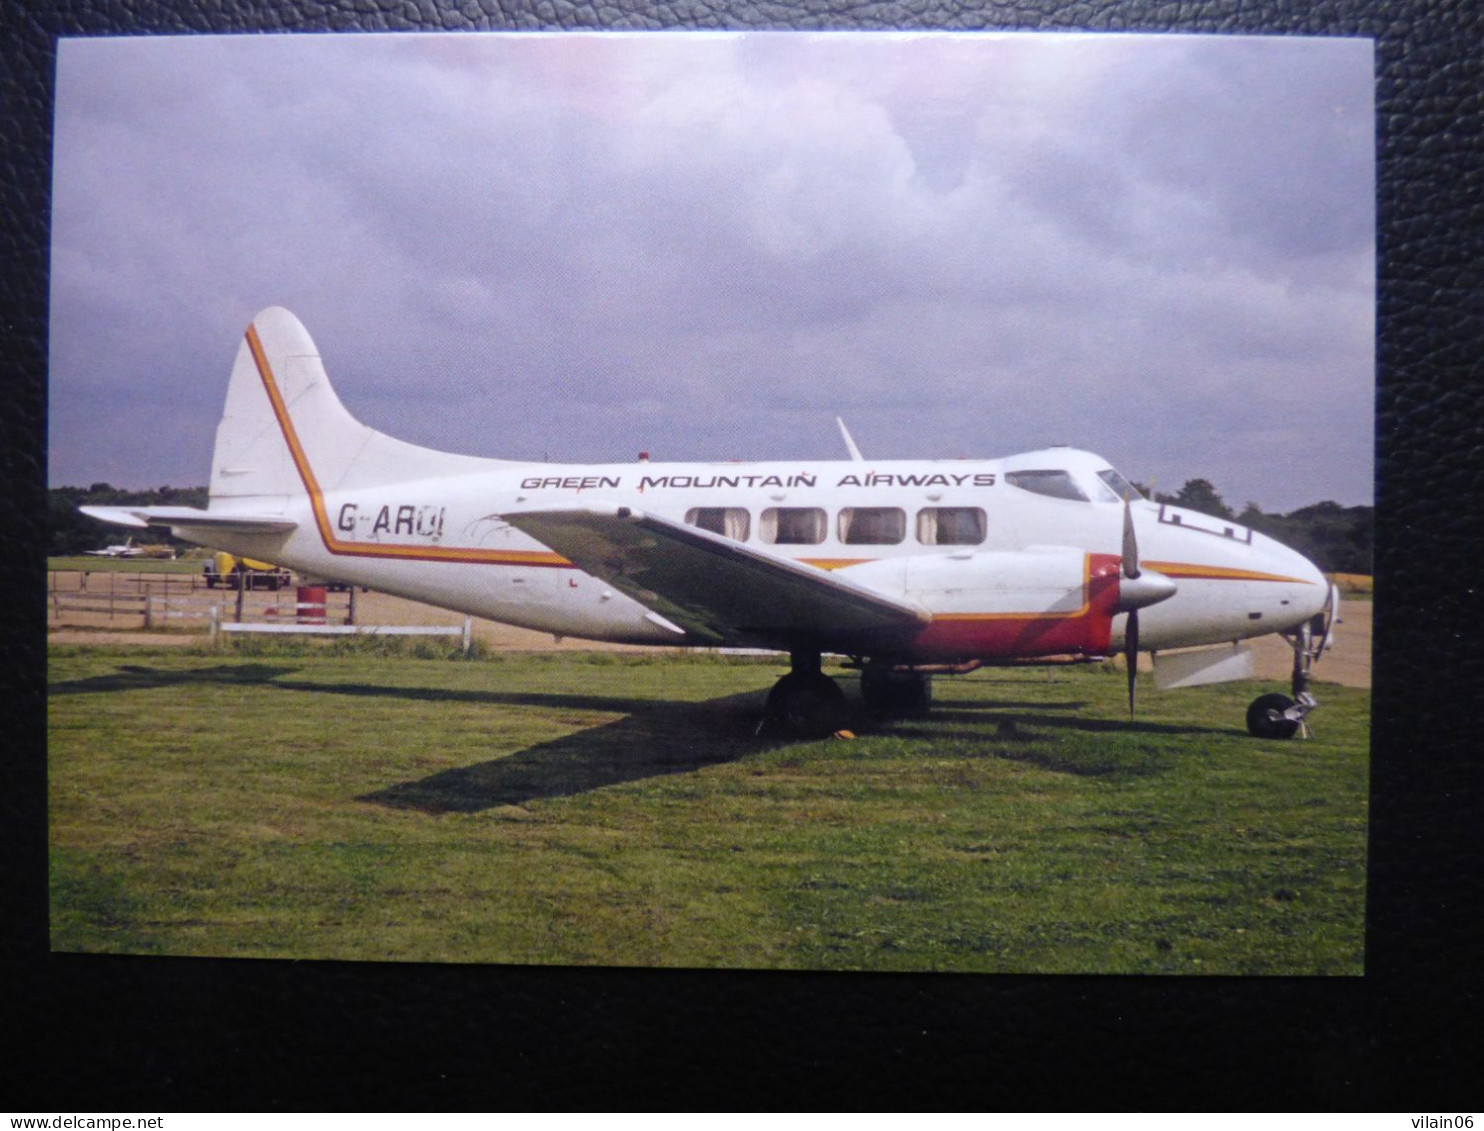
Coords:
141,1035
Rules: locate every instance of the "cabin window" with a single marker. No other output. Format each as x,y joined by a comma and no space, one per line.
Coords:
1119,487
730,522
950,526
872,526
1054,484
793,526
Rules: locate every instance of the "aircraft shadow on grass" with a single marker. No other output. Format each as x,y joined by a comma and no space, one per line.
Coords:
136,677
1029,715
656,739
659,738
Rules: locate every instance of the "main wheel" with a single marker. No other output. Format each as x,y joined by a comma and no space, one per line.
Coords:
806,704
899,694
1265,717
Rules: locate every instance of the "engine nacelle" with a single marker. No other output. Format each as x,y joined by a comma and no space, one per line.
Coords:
1043,601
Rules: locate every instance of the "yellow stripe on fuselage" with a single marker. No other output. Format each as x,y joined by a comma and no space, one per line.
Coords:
1181,571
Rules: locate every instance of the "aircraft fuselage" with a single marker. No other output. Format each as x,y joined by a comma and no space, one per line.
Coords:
945,532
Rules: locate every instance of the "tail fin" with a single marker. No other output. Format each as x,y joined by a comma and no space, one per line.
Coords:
284,432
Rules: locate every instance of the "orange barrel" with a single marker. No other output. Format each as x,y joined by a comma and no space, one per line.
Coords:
311,604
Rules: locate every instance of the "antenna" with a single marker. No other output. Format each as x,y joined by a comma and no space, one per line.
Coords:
855,453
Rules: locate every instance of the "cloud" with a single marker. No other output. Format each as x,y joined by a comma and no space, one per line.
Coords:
585,245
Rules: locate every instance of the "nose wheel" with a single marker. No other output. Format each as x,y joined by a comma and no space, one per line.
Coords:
1278,716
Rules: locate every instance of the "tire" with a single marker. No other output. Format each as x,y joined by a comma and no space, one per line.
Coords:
1265,717
896,694
809,706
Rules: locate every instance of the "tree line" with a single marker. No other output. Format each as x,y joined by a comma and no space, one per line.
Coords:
1337,539
70,532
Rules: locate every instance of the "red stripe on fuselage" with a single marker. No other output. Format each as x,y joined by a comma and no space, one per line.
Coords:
986,636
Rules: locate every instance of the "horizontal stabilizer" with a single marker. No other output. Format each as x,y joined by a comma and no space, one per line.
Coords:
721,591
143,517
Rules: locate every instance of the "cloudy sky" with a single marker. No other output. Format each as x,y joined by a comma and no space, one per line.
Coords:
578,247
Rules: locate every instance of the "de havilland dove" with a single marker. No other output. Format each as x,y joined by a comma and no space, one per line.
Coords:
909,568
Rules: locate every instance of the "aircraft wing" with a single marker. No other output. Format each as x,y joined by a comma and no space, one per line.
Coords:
143,517
720,591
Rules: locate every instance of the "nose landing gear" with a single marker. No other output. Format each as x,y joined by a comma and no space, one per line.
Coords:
1278,716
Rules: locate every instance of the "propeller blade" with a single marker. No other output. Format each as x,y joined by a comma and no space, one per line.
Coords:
1130,544
1131,655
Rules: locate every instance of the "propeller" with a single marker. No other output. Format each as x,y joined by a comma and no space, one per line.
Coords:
1131,572
1137,587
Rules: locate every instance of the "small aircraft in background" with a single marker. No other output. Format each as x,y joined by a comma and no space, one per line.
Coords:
909,568
126,550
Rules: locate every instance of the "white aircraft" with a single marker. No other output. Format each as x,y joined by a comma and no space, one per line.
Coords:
908,567
126,550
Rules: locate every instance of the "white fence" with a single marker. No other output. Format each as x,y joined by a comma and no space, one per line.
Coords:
310,627
151,604
158,610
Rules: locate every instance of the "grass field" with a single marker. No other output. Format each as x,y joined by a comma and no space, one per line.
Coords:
125,565
363,803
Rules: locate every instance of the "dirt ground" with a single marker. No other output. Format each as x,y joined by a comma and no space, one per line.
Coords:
1349,663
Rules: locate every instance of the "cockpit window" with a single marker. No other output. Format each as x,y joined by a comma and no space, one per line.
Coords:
1056,484
1119,487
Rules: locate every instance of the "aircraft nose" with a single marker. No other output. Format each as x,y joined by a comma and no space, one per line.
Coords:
1311,573
1308,598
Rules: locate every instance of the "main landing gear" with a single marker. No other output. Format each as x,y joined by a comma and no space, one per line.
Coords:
808,703
1279,716
896,693
805,702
